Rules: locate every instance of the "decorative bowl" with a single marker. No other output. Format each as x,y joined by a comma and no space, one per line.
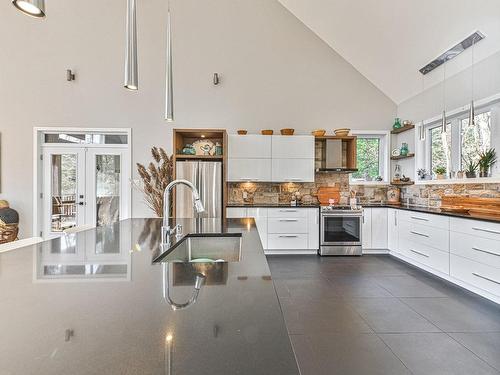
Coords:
287,131
267,132
342,132
242,132
318,132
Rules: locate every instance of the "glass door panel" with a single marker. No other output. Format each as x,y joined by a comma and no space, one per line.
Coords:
107,176
63,189
341,229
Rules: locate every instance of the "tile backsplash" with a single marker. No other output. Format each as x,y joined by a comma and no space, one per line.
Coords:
422,195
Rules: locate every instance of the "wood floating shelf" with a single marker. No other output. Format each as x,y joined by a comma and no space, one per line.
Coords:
400,183
403,129
411,155
199,157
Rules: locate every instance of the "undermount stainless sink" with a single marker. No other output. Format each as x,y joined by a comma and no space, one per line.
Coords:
224,249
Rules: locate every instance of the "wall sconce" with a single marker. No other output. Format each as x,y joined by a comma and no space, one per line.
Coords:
216,79
70,76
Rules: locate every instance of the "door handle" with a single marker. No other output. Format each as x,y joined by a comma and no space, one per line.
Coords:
486,230
486,251
288,220
419,253
81,203
486,278
419,234
419,218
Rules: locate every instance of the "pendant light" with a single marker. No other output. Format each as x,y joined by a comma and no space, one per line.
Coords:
472,115
421,134
34,8
443,118
169,89
131,75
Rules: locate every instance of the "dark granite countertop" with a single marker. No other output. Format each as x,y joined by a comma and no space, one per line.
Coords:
436,211
94,303
273,205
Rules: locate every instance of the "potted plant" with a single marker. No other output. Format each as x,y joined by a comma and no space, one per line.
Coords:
470,168
486,160
440,173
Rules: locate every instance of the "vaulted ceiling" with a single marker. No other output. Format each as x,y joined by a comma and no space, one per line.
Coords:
388,41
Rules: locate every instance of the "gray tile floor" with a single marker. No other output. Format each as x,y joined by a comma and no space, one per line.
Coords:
377,315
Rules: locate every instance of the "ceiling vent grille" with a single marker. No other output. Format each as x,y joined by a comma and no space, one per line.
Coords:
453,52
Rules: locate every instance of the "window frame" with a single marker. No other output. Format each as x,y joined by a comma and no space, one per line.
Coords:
384,146
455,123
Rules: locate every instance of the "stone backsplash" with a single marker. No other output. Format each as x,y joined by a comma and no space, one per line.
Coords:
264,193
421,195
430,195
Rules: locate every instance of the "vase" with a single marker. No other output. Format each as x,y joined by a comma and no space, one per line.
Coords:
470,174
404,149
397,123
440,176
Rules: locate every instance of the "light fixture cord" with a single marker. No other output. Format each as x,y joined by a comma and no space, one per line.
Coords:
472,67
444,86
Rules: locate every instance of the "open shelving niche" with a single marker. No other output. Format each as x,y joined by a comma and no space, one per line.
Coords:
349,151
396,159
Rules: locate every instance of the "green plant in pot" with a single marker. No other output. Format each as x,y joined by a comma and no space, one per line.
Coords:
486,160
440,172
470,167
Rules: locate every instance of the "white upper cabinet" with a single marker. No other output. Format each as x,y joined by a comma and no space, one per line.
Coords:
293,147
293,170
256,170
249,147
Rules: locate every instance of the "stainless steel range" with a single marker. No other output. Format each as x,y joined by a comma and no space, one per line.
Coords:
340,230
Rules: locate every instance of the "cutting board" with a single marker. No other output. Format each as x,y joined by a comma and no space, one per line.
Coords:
328,192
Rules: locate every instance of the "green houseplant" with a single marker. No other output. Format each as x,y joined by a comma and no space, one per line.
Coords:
470,167
486,160
440,172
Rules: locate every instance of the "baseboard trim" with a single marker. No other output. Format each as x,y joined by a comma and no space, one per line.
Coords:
375,251
291,252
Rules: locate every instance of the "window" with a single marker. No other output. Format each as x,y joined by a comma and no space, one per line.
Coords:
460,143
440,147
475,139
372,157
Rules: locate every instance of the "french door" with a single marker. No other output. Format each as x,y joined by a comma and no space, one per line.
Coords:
84,186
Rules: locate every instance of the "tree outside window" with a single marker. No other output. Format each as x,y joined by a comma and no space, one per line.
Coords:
368,159
475,139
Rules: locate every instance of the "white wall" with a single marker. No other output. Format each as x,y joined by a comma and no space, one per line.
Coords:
275,73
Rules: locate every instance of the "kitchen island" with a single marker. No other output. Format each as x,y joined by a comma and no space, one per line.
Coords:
95,303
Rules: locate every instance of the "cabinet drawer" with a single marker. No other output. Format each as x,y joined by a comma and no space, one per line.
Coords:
285,241
236,212
477,274
482,250
287,225
425,235
436,259
287,212
479,228
436,221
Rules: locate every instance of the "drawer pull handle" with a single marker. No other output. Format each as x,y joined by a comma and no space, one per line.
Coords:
486,251
419,218
288,220
486,278
419,253
288,210
290,236
293,179
486,230
419,234
248,179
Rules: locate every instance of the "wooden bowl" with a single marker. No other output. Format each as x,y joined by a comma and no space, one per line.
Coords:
287,131
242,132
343,132
318,132
267,132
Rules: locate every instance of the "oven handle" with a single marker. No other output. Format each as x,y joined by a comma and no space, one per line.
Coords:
341,215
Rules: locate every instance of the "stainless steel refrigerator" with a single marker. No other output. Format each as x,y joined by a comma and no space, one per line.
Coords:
207,177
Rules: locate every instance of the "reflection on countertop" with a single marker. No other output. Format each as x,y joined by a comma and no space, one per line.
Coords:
92,326
274,205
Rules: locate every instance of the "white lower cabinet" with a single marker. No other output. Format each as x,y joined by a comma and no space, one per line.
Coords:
461,250
374,228
392,229
284,229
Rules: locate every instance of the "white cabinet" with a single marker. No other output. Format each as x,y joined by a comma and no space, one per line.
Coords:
366,229
313,232
476,274
293,147
249,147
240,170
379,228
293,170
392,229
284,229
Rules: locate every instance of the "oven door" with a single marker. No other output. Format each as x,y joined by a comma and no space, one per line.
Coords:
341,229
